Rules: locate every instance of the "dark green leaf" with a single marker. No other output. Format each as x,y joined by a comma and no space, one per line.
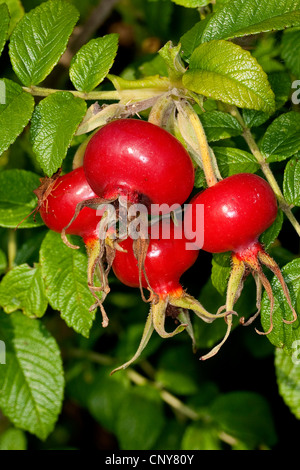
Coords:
291,181
200,437
218,125
243,17
40,38
65,277
54,123
221,267
288,377
5,18
17,199
192,38
282,138
31,381
22,288
290,51
245,416
270,235
224,71
3,262
93,61
16,107
232,161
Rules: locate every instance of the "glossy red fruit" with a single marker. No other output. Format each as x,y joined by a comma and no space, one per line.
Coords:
166,261
237,210
139,160
59,207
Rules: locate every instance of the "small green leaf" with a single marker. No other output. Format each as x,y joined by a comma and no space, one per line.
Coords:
192,3
140,419
17,199
31,381
246,416
13,439
93,61
16,107
218,125
221,267
232,161
282,138
254,118
288,376
270,235
3,262
290,51
224,71
291,181
193,38
200,437
65,276
283,335
54,123
22,288
16,11
5,18
40,38
244,17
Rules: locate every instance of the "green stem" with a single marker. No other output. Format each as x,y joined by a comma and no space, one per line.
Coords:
11,248
247,135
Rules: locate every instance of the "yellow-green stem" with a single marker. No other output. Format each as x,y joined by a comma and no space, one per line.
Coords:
11,248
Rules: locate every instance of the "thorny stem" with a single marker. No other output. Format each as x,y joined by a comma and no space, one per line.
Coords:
284,206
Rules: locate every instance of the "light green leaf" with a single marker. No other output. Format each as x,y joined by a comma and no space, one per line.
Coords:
224,71
288,376
218,125
64,271
40,38
200,437
54,123
16,107
290,51
243,17
93,61
5,18
16,11
283,335
282,138
17,199
291,181
31,381
22,288
192,3
221,267
232,161
13,439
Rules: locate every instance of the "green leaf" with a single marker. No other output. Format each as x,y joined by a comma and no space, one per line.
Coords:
282,138
192,3
218,125
16,107
192,38
54,123
13,439
31,381
245,416
270,235
290,51
200,437
3,262
16,11
232,161
22,288
244,17
283,335
140,419
65,275
221,267
40,38
224,71
93,61
291,181
5,18
287,370
17,199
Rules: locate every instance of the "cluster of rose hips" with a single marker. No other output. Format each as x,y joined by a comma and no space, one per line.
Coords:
142,164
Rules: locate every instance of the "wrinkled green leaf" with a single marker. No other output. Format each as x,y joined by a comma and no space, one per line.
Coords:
17,199
93,61
65,277
282,138
243,17
5,18
270,235
288,376
16,11
22,288
224,71
290,51
54,123
218,125
16,107
40,38
232,161
31,381
291,181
